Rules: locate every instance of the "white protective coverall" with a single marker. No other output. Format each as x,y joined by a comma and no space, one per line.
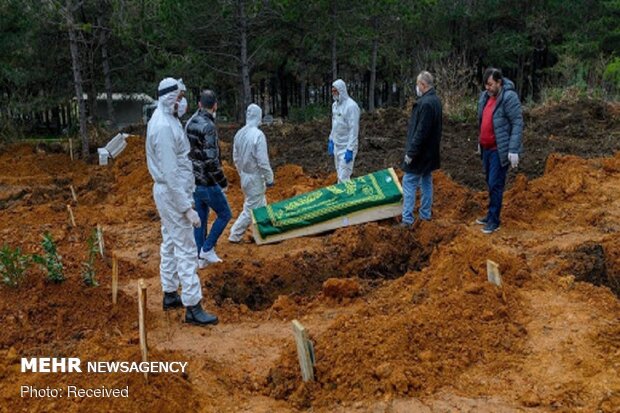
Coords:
167,151
345,128
252,162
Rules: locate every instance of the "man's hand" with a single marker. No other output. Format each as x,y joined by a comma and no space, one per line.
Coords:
348,156
407,160
514,159
193,217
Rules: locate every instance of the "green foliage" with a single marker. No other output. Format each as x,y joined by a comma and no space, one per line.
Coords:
9,132
28,33
13,265
568,95
463,110
557,43
88,270
310,112
612,73
51,261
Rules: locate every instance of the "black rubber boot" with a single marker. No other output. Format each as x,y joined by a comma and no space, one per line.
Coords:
172,300
194,314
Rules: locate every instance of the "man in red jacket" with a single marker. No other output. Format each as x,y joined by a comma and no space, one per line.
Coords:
501,125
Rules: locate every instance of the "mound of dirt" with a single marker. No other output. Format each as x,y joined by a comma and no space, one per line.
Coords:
340,288
401,319
162,393
416,335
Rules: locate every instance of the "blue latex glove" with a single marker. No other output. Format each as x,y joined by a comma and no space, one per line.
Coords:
330,147
348,156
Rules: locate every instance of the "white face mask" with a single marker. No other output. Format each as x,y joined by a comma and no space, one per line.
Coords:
182,107
214,114
418,91
336,98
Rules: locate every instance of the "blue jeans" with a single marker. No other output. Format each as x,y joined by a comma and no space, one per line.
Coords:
496,181
411,182
206,197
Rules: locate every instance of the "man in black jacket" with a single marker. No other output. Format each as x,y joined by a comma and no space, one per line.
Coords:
422,150
211,183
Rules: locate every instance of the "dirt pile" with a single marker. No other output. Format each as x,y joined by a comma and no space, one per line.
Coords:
163,392
416,335
400,319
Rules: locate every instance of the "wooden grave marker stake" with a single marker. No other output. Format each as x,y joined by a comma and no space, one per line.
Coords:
71,148
305,351
142,322
73,195
114,278
71,215
493,274
100,239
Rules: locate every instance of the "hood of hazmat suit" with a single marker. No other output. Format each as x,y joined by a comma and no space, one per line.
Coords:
250,154
252,162
167,149
345,120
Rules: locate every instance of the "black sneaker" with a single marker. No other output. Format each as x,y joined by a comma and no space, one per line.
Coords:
482,221
490,228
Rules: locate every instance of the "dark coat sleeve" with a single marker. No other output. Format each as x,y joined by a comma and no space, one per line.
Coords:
419,132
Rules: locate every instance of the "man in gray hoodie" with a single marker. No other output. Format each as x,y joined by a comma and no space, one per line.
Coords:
500,122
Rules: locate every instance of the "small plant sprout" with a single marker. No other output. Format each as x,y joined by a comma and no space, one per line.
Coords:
13,265
88,270
51,261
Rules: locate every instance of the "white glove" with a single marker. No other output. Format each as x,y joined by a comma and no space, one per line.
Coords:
193,217
478,150
514,159
407,159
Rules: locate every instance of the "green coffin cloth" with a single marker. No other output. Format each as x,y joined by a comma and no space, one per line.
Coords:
378,188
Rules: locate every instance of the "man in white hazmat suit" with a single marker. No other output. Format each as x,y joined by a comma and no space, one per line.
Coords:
166,155
252,162
343,143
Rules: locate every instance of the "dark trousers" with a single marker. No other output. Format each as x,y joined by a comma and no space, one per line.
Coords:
205,198
496,182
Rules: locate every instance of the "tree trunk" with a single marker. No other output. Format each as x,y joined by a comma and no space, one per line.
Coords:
92,95
245,64
77,77
263,97
302,92
373,76
105,62
333,40
334,59
283,82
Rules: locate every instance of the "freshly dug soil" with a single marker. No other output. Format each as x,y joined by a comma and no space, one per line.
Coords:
402,320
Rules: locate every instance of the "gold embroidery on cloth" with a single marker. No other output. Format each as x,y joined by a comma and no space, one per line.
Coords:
307,210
